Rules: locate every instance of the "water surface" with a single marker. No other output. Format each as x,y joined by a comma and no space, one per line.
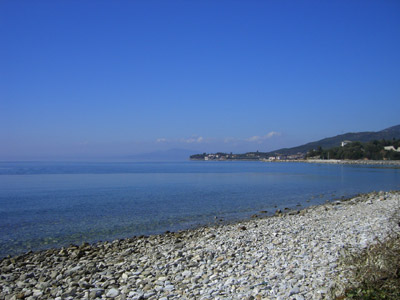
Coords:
54,204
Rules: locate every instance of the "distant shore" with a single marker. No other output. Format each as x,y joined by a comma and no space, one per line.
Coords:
292,255
342,161
317,161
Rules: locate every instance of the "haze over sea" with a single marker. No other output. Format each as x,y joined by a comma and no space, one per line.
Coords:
47,204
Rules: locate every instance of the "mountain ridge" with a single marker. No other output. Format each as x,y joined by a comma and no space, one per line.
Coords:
325,143
300,151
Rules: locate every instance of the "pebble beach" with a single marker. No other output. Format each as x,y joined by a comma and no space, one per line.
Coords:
292,255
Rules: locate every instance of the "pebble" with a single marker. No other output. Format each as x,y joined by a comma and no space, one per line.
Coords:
289,256
112,293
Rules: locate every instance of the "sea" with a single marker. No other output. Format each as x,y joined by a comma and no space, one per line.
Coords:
55,204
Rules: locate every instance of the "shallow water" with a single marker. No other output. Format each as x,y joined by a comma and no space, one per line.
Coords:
54,204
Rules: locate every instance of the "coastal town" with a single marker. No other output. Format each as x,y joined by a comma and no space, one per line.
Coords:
346,150
246,156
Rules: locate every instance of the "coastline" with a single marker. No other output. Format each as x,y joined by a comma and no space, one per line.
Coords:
315,161
350,162
294,255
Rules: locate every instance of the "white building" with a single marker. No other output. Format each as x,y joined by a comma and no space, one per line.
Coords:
344,143
391,148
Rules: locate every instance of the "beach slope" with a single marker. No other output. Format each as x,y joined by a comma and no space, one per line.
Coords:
290,256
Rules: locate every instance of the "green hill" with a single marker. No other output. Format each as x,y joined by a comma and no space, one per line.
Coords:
386,134
300,151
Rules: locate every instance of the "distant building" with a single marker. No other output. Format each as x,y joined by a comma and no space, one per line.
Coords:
274,158
391,148
344,143
295,156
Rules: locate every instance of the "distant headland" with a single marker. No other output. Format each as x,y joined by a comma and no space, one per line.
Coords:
381,145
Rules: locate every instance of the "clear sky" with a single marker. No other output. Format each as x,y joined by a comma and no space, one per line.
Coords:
100,79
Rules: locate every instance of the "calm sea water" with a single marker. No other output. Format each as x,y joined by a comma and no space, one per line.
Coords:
55,204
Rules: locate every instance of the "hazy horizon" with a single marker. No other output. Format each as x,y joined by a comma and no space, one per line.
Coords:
100,80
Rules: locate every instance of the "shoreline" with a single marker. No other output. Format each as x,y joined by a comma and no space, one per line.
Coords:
291,255
314,161
352,162
217,221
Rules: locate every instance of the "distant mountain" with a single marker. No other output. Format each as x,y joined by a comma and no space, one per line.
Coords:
167,155
387,134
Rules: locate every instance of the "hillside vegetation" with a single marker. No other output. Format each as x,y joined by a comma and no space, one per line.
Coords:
357,150
367,136
361,145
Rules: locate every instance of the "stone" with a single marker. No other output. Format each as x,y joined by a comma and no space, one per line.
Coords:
294,291
169,287
186,274
37,293
148,295
112,293
124,276
96,293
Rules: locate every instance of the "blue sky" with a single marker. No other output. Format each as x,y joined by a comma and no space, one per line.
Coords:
96,79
